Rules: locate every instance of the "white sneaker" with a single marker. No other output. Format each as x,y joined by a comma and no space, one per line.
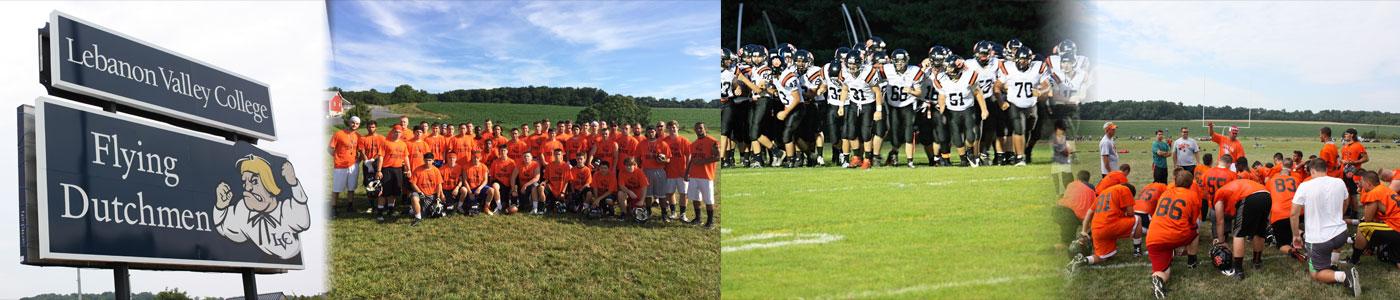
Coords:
821,161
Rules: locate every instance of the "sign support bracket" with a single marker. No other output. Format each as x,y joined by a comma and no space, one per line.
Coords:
121,277
250,285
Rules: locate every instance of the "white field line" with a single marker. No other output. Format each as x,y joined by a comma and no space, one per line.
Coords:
725,231
935,287
894,185
797,239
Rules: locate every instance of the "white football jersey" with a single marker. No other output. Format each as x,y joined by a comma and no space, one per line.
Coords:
726,82
814,77
986,75
765,74
791,82
861,84
1021,85
912,76
957,90
833,87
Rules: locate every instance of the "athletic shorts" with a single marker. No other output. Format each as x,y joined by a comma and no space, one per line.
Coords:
737,124
1145,219
1367,229
393,183
1161,254
526,190
1320,254
996,124
1021,118
1282,232
657,178
1159,174
676,185
860,121
484,194
1106,238
367,167
702,190
343,179
1351,185
962,127
1252,216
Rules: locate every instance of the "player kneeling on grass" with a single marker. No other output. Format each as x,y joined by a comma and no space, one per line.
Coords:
602,194
1173,226
427,187
1380,218
503,173
1143,205
632,184
580,184
1281,187
528,183
700,174
556,178
1321,200
1247,204
1111,221
477,190
452,187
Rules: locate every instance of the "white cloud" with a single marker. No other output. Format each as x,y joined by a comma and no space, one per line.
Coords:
382,15
611,26
703,51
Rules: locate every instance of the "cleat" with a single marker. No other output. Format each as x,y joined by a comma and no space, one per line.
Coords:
1257,264
821,161
1159,288
1137,251
1353,282
910,164
416,221
1075,263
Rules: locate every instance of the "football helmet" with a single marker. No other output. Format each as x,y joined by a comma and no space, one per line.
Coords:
854,60
802,59
900,57
1220,257
983,51
880,58
841,53
876,44
1067,48
953,66
1012,46
727,58
1023,59
641,214
373,186
939,53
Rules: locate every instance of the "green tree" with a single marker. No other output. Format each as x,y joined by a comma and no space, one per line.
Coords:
172,294
624,109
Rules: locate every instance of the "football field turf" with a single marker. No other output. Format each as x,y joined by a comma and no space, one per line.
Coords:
1125,276
889,232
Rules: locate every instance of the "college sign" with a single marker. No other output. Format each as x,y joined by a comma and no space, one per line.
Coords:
89,60
121,189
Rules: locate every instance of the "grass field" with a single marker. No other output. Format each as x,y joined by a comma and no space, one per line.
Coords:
1282,277
889,233
1272,129
520,256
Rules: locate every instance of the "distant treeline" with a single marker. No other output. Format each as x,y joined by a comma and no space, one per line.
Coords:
1164,110
568,96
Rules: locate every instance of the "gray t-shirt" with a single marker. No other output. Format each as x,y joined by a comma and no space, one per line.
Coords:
1108,148
1060,146
1186,150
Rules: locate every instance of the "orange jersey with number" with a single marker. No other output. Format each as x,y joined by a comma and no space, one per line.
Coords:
1213,180
1234,192
1281,188
1111,205
1146,199
1174,220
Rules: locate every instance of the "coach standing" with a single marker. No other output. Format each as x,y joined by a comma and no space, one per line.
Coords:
1108,151
1323,197
1186,151
1161,150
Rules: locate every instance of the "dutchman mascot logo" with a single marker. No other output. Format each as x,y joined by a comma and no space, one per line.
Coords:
263,216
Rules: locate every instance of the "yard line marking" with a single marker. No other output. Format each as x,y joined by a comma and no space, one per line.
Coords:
725,231
935,287
894,185
797,239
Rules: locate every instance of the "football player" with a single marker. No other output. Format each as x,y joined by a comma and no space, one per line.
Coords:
700,174
1381,217
476,182
1173,226
1023,85
957,96
675,170
1281,187
1228,145
393,167
932,125
1245,205
556,179
834,125
1109,220
986,64
654,154
907,84
527,183
860,89
427,185
792,91
1143,206
729,95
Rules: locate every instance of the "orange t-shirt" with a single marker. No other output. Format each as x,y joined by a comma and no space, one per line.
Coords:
1329,154
475,175
547,149
604,182
343,148
649,151
395,154
1380,193
575,145
502,169
627,146
435,145
1233,148
517,148
1111,205
704,148
451,175
1353,151
1391,204
1234,192
428,179
557,173
606,150
1079,197
680,152
1146,199
528,171
1281,188
1111,179
1214,179
370,145
580,177
464,145
416,149
1174,220
1250,175
636,181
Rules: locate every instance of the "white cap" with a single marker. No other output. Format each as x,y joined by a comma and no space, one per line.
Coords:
354,119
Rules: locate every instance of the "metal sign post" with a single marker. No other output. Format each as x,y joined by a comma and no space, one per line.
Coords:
250,285
121,277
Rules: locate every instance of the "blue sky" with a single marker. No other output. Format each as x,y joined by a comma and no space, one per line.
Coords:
660,49
1278,55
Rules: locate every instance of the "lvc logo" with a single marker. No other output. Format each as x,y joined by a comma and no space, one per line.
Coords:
266,214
